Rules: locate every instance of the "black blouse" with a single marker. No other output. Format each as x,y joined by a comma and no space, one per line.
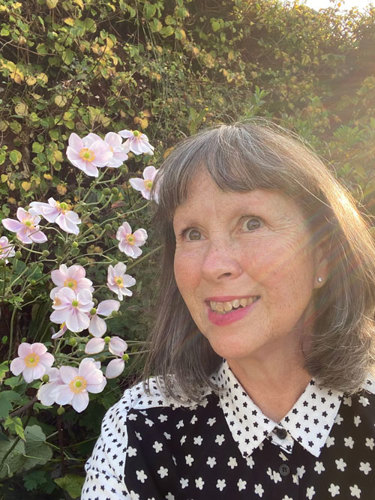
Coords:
152,448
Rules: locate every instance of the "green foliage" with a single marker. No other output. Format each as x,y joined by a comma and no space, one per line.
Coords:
169,68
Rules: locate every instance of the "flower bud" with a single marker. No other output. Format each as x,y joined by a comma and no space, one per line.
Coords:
72,341
33,282
60,410
18,254
4,340
115,190
83,261
108,227
107,339
93,311
45,378
107,191
125,357
75,244
45,253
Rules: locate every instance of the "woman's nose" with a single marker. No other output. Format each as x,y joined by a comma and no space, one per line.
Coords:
220,262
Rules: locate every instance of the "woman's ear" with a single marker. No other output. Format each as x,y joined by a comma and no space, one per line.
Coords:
321,264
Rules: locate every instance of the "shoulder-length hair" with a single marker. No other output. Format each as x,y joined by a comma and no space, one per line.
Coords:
259,155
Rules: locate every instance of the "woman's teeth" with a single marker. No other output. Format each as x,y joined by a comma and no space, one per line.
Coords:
225,307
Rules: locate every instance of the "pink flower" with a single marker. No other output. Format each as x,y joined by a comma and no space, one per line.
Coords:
46,392
6,249
144,185
55,211
32,362
116,345
60,333
115,367
117,280
72,309
72,277
77,383
119,151
88,154
137,142
130,242
105,308
26,227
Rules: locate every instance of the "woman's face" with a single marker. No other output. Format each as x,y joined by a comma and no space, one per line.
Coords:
245,268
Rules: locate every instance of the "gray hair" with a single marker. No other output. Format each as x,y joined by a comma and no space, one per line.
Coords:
259,155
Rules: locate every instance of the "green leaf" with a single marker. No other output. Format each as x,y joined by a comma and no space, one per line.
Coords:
149,10
42,49
67,56
37,450
34,479
14,460
6,400
37,147
166,31
15,156
72,484
14,424
4,368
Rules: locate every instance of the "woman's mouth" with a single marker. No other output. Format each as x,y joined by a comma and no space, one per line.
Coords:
227,306
224,312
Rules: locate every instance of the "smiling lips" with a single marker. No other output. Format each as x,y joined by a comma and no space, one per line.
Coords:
223,312
227,306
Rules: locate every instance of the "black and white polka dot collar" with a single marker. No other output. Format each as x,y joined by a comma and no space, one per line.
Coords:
309,422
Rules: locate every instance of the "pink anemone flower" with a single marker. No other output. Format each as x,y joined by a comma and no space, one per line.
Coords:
73,277
46,392
119,151
72,309
118,281
145,185
26,228
88,154
116,345
54,211
137,142
6,249
130,242
98,326
33,361
78,383
60,333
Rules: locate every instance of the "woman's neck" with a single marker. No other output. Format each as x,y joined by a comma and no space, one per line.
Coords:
274,384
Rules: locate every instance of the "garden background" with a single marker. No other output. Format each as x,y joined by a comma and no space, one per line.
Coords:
166,68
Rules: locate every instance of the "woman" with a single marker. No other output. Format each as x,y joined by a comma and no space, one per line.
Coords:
264,341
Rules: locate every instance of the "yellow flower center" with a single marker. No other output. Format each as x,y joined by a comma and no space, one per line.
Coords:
70,283
130,239
62,206
78,384
87,155
31,360
148,185
75,303
56,301
119,281
29,224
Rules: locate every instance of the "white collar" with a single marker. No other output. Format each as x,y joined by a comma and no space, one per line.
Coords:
309,421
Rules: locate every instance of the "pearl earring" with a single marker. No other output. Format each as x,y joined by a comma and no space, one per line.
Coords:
320,279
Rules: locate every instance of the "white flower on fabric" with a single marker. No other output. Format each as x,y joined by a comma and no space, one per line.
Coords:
221,484
145,185
319,467
72,309
184,483
232,462
370,443
355,491
73,277
119,150
220,439
349,442
341,464
310,492
334,489
57,212
88,154
136,142
211,461
357,420
258,489
241,484
26,227
141,475
163,472
189,460
365,467
46,392
6,249
118,281
130,242
33,361
98,326
158,447
77,383
199,483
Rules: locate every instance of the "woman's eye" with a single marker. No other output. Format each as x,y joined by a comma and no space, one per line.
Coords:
192,234
251,223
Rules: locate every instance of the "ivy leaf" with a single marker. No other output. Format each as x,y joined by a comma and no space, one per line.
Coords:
72,484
